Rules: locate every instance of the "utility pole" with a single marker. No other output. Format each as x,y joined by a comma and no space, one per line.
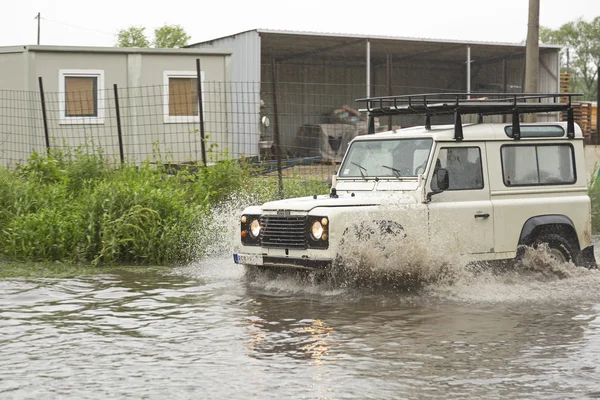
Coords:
532,52
39,18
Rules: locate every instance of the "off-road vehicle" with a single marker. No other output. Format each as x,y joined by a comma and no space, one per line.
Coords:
485,189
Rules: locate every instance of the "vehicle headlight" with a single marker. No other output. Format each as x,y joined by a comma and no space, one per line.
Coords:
255,228
316,230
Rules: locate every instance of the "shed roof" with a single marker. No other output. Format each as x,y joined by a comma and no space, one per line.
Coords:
288,45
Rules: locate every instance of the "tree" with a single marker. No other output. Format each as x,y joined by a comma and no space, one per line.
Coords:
132,37
170,36
581,55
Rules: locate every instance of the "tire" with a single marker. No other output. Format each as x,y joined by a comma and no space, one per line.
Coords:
560,248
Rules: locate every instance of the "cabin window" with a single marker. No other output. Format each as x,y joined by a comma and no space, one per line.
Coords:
81,96
181,96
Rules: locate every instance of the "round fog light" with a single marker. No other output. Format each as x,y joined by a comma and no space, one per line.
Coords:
316,230
255,228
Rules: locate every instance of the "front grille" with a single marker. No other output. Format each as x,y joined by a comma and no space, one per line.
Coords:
287,232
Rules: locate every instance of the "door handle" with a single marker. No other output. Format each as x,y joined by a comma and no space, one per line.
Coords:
482,215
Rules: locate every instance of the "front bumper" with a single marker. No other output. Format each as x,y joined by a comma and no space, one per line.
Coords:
282,262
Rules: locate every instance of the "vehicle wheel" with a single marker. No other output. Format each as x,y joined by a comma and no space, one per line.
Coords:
560,248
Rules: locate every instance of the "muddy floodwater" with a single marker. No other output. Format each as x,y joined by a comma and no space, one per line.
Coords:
210,331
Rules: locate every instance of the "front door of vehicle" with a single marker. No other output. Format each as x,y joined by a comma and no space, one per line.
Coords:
461,218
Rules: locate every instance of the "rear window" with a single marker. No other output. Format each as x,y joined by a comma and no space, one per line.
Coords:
537,131
538,164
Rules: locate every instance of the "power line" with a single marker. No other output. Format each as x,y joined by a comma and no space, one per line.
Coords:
78,27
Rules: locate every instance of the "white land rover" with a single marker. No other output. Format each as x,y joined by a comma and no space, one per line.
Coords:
487,189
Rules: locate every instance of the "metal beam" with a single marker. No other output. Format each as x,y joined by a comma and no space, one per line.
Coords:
318,51
512,56
338,62
504,83
468,71
424,54
389,85
368,64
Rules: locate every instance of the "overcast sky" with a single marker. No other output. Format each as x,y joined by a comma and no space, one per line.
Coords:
95,23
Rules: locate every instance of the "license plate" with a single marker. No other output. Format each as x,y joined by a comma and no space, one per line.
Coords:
248,259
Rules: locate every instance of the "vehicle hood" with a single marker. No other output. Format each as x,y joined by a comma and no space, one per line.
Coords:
343,200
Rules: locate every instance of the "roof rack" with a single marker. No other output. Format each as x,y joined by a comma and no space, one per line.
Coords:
482,104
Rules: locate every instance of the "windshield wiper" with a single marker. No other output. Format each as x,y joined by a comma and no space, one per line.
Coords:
396,171
360,169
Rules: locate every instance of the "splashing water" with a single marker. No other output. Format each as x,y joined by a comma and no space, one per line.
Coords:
537,276
403,261
378,251
219,235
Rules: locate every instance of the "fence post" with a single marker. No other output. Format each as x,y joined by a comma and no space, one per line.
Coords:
44,116
200,110
119,130
276,130
389,85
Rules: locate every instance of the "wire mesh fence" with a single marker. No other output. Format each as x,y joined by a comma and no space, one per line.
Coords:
312,123
163,124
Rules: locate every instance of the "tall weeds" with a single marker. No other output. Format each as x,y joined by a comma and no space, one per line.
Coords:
70,206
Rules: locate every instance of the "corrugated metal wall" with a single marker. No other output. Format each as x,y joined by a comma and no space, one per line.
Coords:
245,89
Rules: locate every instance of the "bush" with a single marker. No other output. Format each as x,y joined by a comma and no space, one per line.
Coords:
70,206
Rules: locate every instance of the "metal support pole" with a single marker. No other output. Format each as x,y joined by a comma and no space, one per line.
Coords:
200,109
368,63
504,84
39,17
44,116
389,84
468,71
276,129
119,129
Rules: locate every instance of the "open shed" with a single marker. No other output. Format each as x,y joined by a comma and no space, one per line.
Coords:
316,73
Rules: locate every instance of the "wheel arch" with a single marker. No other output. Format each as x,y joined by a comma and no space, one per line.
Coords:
555,223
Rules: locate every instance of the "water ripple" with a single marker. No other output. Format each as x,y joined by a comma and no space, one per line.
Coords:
198,333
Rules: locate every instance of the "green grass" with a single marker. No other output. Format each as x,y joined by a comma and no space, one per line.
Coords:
72,208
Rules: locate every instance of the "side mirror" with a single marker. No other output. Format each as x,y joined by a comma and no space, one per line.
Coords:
442,180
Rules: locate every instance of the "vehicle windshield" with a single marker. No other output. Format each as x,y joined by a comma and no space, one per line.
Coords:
386,158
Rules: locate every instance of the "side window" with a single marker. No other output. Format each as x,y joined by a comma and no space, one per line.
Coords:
81,94
181,96
464,167
531,165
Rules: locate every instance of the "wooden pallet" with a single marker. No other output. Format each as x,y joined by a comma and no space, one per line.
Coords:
582,113
565,81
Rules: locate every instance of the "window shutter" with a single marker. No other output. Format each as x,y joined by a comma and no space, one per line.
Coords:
81,96
183,97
